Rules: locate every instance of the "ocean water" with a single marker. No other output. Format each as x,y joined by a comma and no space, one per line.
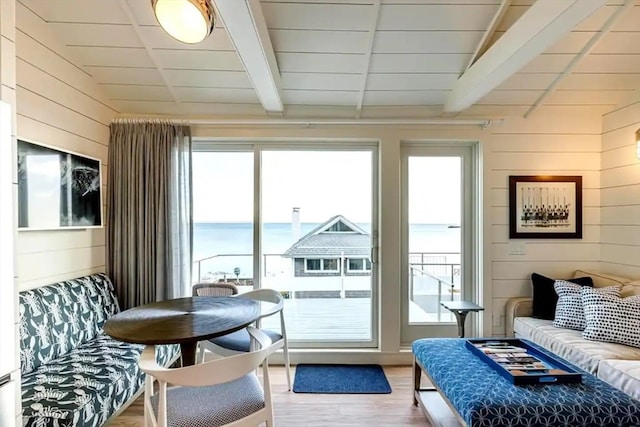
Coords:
223,247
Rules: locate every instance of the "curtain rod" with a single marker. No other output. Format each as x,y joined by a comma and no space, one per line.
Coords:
483,123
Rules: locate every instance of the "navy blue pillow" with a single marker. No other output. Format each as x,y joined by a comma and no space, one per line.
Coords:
545,298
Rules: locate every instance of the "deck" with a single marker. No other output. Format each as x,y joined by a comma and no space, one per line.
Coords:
336,319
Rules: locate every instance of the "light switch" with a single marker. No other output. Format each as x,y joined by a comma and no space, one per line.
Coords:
517,248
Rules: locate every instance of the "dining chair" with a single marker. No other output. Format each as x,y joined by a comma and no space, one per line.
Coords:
214,289
220,392
239,342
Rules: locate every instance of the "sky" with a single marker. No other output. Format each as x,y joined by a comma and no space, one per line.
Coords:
321,183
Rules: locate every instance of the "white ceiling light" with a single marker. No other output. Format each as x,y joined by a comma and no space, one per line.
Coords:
189,21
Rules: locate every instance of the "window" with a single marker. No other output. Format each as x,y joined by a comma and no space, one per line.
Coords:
313,265
339,227
321,265
358,264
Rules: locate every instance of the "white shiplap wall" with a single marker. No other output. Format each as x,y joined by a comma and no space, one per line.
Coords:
620,191
8,95
545,144
58,105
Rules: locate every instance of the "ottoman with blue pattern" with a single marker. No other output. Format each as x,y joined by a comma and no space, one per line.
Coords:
483,398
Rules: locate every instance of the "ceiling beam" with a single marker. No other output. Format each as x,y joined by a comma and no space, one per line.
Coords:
538,28
488,34
247,29
586,49
373,24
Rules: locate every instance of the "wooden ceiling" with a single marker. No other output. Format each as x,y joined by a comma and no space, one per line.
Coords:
354,58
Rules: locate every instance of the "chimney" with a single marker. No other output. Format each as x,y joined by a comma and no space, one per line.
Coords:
295,223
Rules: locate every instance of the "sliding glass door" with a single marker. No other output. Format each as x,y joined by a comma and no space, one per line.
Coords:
298,219
437,230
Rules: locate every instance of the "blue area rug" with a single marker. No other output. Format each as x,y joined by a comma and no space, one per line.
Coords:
340,379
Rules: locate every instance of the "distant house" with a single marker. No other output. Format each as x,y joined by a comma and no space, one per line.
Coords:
334,248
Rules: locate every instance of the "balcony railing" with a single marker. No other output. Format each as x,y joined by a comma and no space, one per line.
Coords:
431,273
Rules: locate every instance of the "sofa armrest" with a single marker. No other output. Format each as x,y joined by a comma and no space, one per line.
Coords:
517,307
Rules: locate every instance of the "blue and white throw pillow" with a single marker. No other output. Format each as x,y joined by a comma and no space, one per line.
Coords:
610,318
569,312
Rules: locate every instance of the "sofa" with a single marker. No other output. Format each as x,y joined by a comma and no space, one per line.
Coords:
72,373
615,363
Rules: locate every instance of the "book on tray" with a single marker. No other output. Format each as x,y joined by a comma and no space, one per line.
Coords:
516,360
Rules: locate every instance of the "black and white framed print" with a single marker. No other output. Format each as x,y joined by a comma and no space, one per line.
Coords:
57,189
545,207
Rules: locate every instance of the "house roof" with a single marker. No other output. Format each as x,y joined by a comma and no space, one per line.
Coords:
359,58
320,242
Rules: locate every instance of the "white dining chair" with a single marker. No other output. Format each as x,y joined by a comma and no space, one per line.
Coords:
238,342
221,392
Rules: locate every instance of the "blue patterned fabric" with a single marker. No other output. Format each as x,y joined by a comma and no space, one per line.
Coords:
483,398
57,318
73,375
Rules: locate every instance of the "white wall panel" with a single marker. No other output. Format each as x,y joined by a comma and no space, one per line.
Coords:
426,41
202,78
59,262
310,41
56,114
320,63
628,115
407,97
436,17
138,92
621,235
416,81
52,88
621,191
222,95
141,76
422,63
599,81
199,60
314,97
34,130
310,16
80,34
320,81
111,56
61,106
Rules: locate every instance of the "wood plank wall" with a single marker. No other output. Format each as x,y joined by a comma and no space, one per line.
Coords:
550,142
8,95
620,228
58,104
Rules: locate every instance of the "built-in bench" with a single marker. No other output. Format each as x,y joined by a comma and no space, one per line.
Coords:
72,373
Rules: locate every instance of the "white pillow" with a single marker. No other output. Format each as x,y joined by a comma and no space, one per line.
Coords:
610,318
569,312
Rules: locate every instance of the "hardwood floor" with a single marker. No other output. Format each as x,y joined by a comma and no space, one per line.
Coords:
329,410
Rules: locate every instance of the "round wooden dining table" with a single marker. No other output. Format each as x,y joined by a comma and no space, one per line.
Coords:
183,321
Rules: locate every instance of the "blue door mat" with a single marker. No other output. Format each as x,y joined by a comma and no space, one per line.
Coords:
340,379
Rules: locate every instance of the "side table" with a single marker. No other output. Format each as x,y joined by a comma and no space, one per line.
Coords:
460,309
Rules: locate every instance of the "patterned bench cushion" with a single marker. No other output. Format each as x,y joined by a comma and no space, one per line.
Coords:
484,398
87,385
57,318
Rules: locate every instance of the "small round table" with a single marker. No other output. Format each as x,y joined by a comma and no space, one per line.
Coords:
183,321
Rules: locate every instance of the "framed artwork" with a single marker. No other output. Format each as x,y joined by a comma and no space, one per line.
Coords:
545,207
57,189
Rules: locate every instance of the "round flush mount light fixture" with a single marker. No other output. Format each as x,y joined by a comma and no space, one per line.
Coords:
189,21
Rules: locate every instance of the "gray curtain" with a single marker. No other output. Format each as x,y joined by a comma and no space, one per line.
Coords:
149,220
